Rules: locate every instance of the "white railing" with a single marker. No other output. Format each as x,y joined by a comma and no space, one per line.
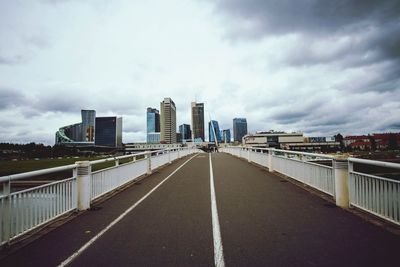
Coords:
260,157
159,160
304,167
23,211
29,209
377,195
316,175
106,180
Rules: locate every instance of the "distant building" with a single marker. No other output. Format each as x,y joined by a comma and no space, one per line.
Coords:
168,121
272,139
153,125
178,137
213,131
79,133
380,141
386,140
153,138
239,129
197,110
226,136
69,134
108,132
185,131
315,144
88,125
357,142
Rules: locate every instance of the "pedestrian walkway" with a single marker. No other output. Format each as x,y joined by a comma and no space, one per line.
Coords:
167,220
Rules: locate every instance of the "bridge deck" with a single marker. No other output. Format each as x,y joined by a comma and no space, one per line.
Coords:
263,221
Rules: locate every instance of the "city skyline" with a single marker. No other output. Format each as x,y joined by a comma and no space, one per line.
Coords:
319,68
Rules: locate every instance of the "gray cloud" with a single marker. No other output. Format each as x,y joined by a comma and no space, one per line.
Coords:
11,97
12,60
372,28
260,17
357,39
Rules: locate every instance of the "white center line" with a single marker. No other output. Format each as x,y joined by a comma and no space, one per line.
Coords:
218,249
91,241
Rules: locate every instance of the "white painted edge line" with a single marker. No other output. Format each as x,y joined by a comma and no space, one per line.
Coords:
218,249
102,232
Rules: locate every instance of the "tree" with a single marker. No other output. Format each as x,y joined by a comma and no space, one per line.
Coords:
339,138
392,142
372,141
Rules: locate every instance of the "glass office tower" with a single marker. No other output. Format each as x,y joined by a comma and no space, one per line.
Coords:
239,129
213,131
153,125
108,131
88,124
226,136
184,129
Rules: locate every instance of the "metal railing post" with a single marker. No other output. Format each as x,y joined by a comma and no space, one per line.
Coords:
169,156
350,181
341,174
270,161
7,212
148,156
248,155
178,153
83,181
116,162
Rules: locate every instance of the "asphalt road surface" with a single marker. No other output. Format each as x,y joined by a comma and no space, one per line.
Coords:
167,220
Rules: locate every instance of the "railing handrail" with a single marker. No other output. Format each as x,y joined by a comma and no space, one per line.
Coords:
287,151
375,162
23,175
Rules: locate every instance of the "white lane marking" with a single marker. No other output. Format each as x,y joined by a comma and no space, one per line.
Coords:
91,241
218,249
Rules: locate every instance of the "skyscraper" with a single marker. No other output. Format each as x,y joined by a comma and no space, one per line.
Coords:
153,125
108,131
213,131
226,136
88,121
184,129
197,120
239,129
168,121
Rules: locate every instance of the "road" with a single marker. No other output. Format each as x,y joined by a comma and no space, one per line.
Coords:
167,220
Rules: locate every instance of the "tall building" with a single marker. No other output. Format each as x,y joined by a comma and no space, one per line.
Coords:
197,121
239,129
108,131
153,125
153,138
69,134
88,123
168,121
185,131
213,131
226,136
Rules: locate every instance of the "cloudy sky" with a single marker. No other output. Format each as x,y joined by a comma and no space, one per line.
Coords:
316,66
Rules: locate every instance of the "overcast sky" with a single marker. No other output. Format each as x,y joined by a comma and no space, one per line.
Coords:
316,66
